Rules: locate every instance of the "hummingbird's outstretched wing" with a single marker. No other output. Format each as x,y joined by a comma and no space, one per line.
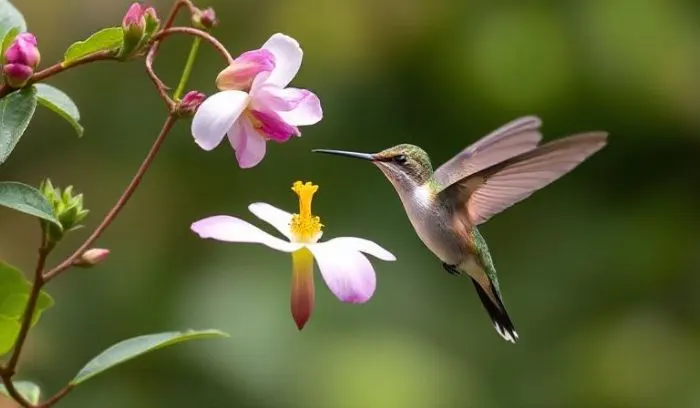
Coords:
492,190
513,138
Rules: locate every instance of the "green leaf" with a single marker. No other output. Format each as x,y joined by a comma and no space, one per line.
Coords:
107,39
9,330
16,111
134,347
13,305
10,17
26,199
59,102
44,302
8,38
14,292
29,390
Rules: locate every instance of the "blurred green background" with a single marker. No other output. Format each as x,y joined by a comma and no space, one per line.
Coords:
599,270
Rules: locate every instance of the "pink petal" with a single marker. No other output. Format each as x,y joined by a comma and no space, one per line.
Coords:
230,229
215,117
348,273
247,142
364,245
271,125
274,216
298,107
288,56
302,301
240,74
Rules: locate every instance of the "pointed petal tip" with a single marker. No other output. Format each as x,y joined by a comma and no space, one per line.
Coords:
300,323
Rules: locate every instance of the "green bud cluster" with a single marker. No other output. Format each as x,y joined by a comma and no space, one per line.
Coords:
67,208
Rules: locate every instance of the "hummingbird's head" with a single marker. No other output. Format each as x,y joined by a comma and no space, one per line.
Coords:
405,165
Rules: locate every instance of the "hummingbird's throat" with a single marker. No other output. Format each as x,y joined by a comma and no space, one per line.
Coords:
305,227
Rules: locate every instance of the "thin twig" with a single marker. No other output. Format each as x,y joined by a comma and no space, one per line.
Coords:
112,214
8,371
30,308
56,397
220,48
151,55
191,57
160,86
14,393
59,67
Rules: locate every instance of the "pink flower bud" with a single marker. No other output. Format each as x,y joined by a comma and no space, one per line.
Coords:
21,58
23,50
205,19
92,257
240,74
134,23
190,102
152,20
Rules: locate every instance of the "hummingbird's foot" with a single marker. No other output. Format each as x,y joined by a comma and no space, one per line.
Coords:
451,269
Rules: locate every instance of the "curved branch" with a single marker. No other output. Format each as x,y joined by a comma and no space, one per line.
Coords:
59,67
126,195
220,48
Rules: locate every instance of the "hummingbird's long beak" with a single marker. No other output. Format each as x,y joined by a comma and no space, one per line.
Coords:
364,156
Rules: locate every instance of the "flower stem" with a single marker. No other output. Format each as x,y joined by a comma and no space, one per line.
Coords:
220,48
126,195
59,67
187,71
8,370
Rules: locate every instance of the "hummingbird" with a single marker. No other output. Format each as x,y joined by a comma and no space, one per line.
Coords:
446,206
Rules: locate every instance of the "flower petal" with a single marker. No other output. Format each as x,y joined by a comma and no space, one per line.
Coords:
288,56
231,229
348,273
279,219
364,245
240,74
302,286
298,107
247,142
271,125
215,117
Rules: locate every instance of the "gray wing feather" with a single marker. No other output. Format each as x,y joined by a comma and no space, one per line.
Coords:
511,139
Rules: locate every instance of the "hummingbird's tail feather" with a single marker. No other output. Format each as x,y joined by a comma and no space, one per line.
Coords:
497,312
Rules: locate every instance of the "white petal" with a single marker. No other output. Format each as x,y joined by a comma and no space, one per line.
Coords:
348,273
297,107
231,229
288,57
279,219
364,245
248,143
215,117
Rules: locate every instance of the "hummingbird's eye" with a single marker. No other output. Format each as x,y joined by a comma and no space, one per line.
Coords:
400,159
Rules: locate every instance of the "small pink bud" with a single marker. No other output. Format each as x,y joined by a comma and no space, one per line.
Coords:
152,20
240,74
92,257
190,102
21,58
17,75
134,23
205,19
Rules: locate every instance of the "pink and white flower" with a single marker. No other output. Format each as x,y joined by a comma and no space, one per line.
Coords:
255,105
344,267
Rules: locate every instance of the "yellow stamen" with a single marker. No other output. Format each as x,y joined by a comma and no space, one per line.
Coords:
305,227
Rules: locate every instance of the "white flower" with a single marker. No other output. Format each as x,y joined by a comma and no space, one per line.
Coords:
344,267
255,104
